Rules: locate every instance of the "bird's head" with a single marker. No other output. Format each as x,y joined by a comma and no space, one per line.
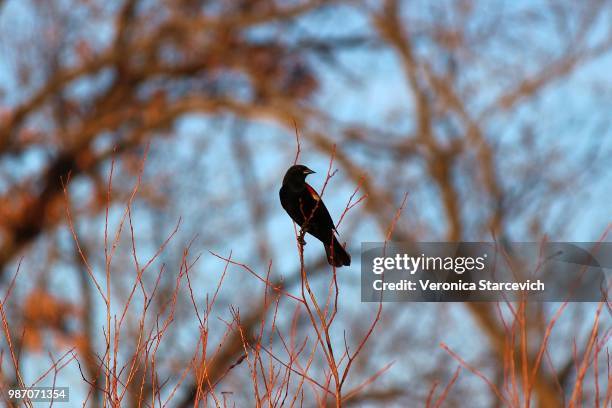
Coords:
297,174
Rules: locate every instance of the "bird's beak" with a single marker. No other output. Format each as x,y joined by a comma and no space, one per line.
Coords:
308,171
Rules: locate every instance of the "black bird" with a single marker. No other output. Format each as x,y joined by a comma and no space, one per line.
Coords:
306,208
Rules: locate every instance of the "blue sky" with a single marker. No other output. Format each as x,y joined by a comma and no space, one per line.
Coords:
569,112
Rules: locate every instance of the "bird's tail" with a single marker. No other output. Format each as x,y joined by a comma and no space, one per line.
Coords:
336,254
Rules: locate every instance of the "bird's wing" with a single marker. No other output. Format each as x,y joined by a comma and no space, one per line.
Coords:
322,213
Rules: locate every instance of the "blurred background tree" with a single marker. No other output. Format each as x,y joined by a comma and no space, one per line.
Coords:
492,116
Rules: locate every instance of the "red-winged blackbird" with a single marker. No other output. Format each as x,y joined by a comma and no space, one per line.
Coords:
306,208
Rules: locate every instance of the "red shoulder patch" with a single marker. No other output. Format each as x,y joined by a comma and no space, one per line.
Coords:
313,193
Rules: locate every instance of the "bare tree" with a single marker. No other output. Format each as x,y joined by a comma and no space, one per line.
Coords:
136,137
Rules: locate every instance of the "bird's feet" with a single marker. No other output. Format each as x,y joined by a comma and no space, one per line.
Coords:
301,240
